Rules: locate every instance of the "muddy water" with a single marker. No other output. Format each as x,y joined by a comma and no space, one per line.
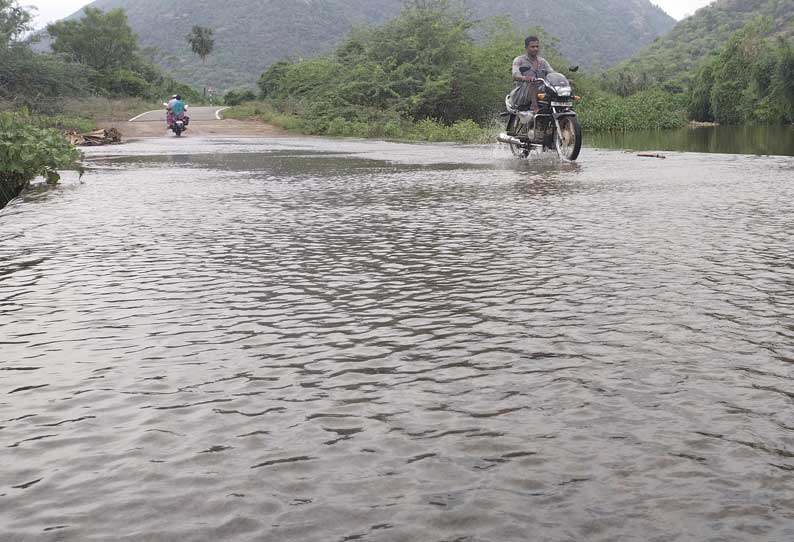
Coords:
759,140
289,340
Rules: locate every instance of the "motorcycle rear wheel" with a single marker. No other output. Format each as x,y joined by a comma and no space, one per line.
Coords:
568,139
519,150
513,128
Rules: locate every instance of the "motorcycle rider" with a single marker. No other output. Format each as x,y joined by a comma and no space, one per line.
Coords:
528,67
176,109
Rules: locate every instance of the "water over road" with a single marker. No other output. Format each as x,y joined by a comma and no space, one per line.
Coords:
314,340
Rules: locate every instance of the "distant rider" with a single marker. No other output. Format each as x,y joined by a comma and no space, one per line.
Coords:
175,110
530,66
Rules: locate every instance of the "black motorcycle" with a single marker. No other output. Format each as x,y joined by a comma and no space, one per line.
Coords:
553,127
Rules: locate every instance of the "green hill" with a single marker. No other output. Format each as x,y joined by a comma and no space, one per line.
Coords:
674,55
250,35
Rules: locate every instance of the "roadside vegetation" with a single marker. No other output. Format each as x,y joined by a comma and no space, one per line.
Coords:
96,71
253,34
28,151
97,56
749,81
423,76
677,55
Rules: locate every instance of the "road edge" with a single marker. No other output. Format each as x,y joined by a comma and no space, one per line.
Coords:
133,119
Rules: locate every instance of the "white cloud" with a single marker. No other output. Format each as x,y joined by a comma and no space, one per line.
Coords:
679,9
48,11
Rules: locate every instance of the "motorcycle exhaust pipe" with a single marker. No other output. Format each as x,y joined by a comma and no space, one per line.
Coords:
510,140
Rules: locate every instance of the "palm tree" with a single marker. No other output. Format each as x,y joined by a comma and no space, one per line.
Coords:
201,42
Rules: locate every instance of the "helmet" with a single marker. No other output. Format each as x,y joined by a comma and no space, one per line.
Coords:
177,96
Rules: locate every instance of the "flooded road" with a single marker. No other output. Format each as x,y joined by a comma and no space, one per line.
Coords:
311,340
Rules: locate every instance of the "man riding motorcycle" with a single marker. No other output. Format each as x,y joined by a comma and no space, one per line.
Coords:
540,109
527,68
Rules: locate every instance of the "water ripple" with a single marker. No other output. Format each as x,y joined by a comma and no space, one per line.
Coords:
314,340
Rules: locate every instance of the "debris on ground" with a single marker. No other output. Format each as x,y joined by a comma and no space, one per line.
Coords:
645,155
104,136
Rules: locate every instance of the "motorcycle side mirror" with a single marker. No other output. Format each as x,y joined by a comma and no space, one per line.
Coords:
573,69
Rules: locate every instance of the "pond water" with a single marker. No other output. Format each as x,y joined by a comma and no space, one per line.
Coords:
758,140
333,340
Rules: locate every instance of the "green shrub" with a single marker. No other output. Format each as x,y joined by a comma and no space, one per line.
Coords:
27,151
465,131
236,97
653,109
392,129
125,82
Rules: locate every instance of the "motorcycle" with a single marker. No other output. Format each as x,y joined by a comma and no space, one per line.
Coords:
177,124
553,126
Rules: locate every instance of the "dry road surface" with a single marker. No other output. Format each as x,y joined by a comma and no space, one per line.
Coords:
203,121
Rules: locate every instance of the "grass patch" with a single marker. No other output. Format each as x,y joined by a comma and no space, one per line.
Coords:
384,126
649,110
86,114
64,123
104,110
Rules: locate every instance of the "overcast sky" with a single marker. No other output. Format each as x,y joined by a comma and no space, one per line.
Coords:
52,10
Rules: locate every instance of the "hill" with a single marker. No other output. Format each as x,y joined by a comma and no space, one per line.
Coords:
674,55
250,35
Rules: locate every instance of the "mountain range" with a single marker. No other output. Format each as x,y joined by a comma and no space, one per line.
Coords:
693,39
250,35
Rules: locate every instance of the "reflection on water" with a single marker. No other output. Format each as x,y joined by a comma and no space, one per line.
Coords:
759,140
338,340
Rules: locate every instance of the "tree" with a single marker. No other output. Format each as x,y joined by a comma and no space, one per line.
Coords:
699,107
731,96
14,20
103,41
783,77
201,42
27,78
272,80
419,63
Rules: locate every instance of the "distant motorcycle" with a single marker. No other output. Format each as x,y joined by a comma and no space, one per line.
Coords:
553,127
177,123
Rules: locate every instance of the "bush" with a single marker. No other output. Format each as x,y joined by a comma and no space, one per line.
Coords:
653,109
36,81
124,82
236,97
371,123
27,151
465,131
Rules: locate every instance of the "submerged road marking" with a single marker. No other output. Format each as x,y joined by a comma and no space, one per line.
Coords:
133,119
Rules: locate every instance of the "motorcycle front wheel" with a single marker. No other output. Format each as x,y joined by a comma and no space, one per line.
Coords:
568,139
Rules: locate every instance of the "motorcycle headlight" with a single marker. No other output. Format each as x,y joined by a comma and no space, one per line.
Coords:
563,91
